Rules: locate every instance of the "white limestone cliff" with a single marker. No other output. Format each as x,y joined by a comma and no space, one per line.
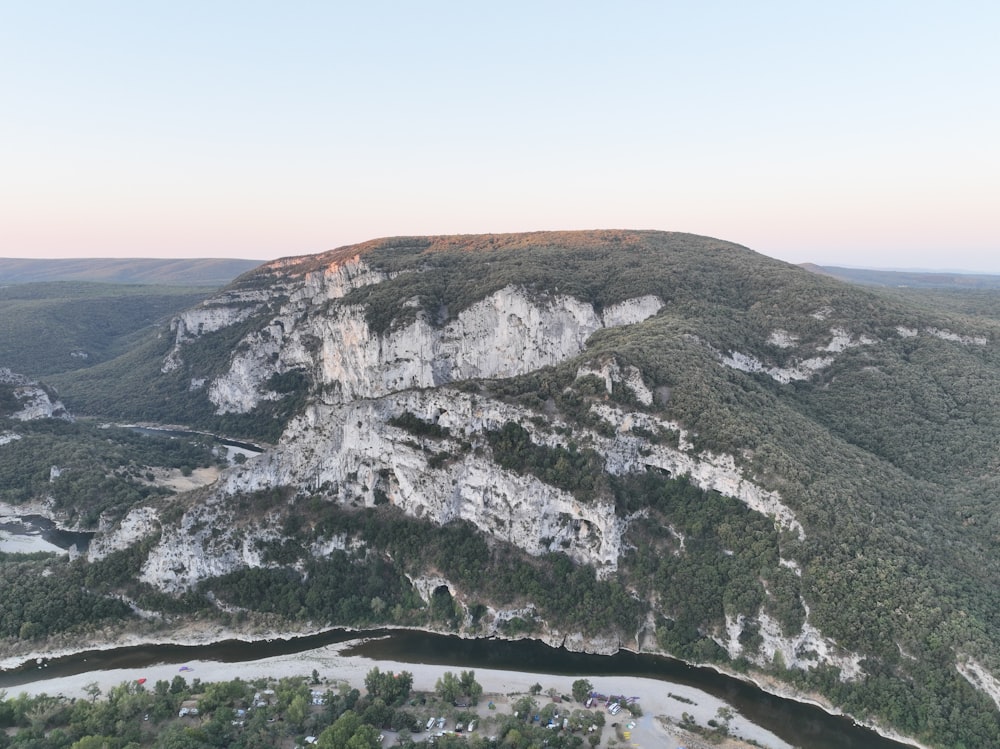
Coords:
34,400
506,334
345,448
353,453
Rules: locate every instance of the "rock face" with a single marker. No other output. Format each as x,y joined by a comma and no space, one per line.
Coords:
34,400
502,336
803,650
351,445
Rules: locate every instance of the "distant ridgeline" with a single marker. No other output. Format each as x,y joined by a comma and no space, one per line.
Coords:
602,439
909,279
180,272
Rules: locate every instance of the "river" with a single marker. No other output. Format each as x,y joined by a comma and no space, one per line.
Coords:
29,533
799,724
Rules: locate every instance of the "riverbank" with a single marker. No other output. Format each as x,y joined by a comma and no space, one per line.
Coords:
662,703
771,685
189,633
275,640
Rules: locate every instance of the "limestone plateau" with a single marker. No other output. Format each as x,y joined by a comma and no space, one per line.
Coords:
765,468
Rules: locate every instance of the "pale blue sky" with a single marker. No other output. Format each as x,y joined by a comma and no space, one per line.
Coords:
853,133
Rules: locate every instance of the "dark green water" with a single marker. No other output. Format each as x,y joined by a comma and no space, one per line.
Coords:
800,725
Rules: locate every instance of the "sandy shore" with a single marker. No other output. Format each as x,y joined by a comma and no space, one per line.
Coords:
650,730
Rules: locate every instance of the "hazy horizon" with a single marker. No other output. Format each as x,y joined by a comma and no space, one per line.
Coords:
952,270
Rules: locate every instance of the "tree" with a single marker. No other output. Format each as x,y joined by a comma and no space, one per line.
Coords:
340,732
582,689
297,711
93,690
178,685
378,713
470,687
366,737
448,687
348,732
393,688
525,707
94,742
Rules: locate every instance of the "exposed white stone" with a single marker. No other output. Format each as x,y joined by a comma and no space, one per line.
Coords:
206,318
351,452
233,306
208,542
631,311
792,565
806,649
36,404
706,470
799,369
33,399
325,547
841,340
981,679
139,523
506,334
947,335
823,313
335,281
743,362
626,422
905,332
354,450
8,437
426,585
782,339
802,370
613,375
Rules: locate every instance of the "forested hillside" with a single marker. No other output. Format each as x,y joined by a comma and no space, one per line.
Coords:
48,328
603,439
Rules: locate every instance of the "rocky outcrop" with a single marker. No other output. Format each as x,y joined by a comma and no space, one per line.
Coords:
309,329
980,678
820,357
798,368
35,401
614,376
138,524
507,334
802,650
353,453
